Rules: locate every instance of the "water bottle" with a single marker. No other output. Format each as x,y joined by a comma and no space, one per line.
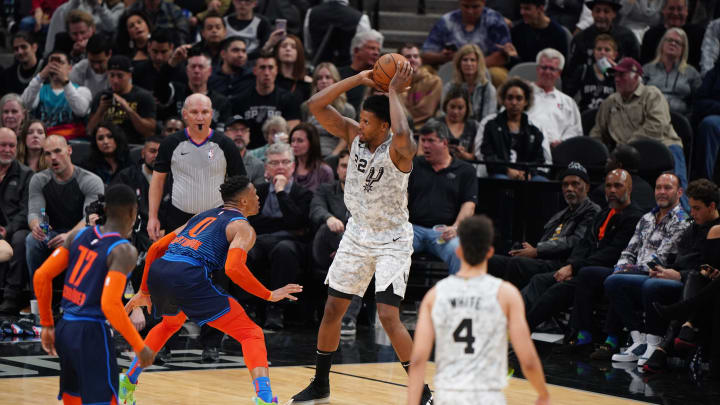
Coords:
44,223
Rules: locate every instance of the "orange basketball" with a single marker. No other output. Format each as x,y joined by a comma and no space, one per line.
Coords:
384,70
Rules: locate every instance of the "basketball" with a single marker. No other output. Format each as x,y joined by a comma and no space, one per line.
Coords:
384,70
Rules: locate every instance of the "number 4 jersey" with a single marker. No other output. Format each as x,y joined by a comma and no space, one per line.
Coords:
470,335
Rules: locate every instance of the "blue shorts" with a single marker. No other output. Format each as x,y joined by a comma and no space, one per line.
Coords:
185,286
88,363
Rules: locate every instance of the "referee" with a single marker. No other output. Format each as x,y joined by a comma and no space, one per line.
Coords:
199,160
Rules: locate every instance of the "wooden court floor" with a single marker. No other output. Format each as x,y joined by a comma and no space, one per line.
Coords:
375,383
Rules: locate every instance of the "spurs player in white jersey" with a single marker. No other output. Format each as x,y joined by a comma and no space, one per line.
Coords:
469,315
378,237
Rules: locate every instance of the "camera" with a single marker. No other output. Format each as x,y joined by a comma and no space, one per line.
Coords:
106,95
96,207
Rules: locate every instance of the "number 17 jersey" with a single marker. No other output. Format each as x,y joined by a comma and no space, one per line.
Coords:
470,335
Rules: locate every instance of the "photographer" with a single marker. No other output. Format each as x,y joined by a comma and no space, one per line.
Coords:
127,106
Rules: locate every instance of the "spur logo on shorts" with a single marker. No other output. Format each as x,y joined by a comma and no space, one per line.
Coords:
373,178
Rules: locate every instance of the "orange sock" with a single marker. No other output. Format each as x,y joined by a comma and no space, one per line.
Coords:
70,399
159,335
237,324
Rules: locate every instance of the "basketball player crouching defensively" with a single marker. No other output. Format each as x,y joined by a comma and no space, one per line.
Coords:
378,237
470,315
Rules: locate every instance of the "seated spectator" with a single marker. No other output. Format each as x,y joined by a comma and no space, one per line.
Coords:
172,125
282,227
80,27
39,18
238,130
160,49
14,185
654,242
109,153
704,199
13,113
537,31
671,62
442,191
675,15
702,11
365,49
310,170
710,48
265,100
554,112
628,158
134,34
163,14
594,83
639,15
473,23
423,98
346,22
63,192
604,13
60,104
275,130
211,7
232,75
471,73
124,104
15,78
171,95
324,75
105,16
707,113
292,72
30,146
549,293
635,111
560,234
253,29
329,216
213,32
91,72
462,129
509,137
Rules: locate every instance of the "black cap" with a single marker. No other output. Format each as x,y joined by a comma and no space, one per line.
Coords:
613,3
535,2
237,118
120,62
576,169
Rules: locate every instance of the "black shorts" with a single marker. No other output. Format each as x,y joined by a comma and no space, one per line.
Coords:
387,297
88,363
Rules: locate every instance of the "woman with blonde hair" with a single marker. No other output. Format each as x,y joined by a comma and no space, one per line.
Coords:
670,72
326,74
472,73
13,113
30,142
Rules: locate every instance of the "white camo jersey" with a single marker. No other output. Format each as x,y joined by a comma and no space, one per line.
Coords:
376,196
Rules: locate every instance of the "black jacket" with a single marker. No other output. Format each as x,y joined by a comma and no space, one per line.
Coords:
14,197
574,226
593,252
497,142
295,207
328,201
690,248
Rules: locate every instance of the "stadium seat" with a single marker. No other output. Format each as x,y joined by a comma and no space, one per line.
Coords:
80,151
684,130
528,71
588,120
656,159
587,151
135,153
446,71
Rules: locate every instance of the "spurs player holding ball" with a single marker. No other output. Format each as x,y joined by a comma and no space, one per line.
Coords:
378,237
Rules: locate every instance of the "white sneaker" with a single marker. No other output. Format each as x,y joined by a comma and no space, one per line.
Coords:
653,342
633,352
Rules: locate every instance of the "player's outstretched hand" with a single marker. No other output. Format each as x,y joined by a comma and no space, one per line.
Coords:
366,76
146,357
139,300
285,292
47,339
403,72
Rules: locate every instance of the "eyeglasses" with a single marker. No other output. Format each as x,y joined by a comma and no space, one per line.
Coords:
276,163
674,41
549,68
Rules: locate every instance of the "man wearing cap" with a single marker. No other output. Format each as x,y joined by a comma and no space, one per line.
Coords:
237,128
560,234
442,191
604,13
537,32
635,111
127,106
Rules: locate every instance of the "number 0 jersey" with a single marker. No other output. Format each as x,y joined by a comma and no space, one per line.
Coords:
470,335
86,272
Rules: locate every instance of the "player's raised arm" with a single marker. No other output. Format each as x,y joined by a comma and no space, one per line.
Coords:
422,347
121,262
319,105
403,145
519,334
243,239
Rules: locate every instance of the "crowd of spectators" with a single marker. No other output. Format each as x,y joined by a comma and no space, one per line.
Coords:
102,92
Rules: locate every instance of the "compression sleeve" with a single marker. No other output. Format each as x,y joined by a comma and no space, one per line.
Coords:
112,307
42,282
156,250
239,273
